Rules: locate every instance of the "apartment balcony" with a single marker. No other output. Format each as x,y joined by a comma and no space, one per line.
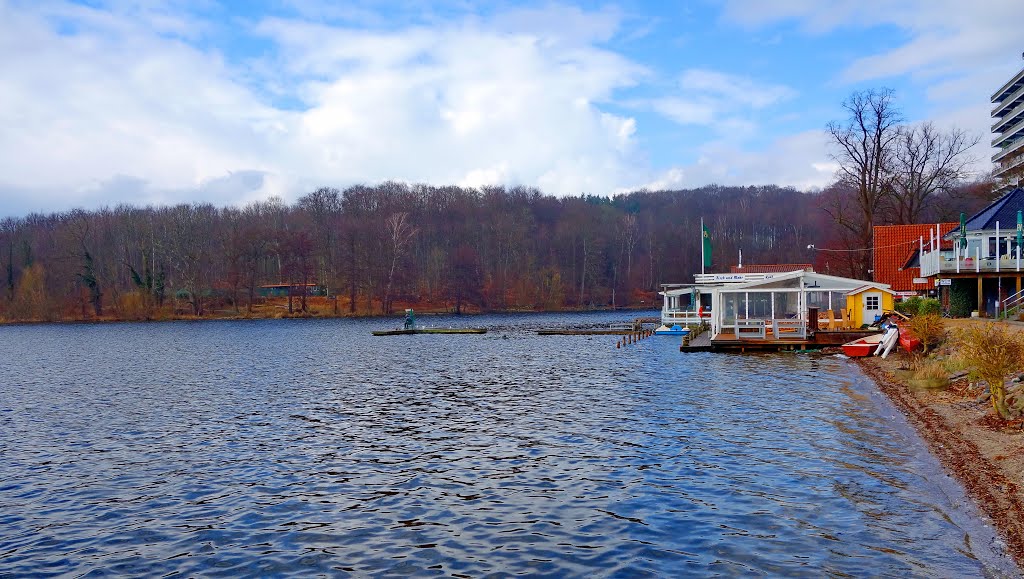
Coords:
1012,94
1014,147
1011,117
1009,166
934,263
1008,134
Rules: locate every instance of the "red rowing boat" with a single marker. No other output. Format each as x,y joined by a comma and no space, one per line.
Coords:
862,346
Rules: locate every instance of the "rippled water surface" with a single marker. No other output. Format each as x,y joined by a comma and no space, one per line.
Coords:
304,447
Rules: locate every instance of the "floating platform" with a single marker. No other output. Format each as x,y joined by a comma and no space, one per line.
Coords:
430,331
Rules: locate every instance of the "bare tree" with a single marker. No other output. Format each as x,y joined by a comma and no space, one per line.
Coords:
865,146
400,232
927,161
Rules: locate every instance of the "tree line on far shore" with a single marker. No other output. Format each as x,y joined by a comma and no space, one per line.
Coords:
489,249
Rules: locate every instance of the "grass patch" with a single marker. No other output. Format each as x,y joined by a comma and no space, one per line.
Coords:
929,373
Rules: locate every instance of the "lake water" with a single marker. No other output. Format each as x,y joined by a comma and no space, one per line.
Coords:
310,447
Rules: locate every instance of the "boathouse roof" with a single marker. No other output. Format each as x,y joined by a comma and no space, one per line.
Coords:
771,268
871,287
1003,211
812,281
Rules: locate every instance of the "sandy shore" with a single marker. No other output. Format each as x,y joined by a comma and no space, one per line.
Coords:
988,460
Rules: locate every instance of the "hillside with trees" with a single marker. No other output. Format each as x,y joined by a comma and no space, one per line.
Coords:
376,249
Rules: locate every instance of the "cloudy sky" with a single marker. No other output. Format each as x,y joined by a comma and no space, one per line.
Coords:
109,101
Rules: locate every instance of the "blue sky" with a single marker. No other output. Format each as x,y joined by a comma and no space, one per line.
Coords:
105,102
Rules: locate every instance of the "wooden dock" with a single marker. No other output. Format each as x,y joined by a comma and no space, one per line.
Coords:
729,342
698,343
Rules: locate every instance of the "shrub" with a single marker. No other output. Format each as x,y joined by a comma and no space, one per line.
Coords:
929,328
995,352
960,299
909,306
917,305
132,306
928,306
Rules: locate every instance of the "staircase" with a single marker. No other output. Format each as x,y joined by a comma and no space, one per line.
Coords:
1012,306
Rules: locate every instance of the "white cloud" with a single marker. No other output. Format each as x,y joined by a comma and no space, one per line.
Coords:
723,102
107,107
732,89
800,161
960,52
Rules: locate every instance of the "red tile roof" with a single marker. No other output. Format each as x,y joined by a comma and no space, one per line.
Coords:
772,268
894,245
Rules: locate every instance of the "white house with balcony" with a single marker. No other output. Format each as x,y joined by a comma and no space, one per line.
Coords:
987,250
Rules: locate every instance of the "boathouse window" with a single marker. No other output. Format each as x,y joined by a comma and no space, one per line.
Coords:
871,303
998,247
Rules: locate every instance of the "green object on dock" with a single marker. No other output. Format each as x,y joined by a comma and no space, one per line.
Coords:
405,332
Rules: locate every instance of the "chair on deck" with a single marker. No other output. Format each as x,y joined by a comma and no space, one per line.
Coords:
848,319
833,325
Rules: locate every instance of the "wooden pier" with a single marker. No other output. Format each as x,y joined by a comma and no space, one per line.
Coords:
698,343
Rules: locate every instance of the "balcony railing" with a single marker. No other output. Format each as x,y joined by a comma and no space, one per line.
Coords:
1010,133
934,263
1012,100
1012,147
1008,166
1008,119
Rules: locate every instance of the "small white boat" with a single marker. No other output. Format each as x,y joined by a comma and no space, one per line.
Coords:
675,330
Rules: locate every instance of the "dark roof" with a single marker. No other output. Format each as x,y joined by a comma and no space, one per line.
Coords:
772,268
1004,210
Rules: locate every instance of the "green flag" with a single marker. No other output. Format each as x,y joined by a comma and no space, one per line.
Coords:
706,248
1020,232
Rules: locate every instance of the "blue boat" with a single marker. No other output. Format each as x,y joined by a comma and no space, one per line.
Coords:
675,330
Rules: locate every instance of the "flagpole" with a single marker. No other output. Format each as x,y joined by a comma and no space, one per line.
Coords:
702,246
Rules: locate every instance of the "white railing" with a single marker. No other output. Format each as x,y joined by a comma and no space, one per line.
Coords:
684,317
934,263
754,329
1012,305
790,329
757,329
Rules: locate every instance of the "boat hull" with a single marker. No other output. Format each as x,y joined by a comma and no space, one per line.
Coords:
675,330
862,346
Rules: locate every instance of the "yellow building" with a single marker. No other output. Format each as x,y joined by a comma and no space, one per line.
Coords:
866,303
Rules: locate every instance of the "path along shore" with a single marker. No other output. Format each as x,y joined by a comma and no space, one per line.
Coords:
959,430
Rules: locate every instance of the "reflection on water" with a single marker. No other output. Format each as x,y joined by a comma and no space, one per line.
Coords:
300,447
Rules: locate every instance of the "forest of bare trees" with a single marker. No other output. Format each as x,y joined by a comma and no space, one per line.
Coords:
372,247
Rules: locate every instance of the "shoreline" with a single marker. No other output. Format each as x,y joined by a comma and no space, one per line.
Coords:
314,315
985,461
